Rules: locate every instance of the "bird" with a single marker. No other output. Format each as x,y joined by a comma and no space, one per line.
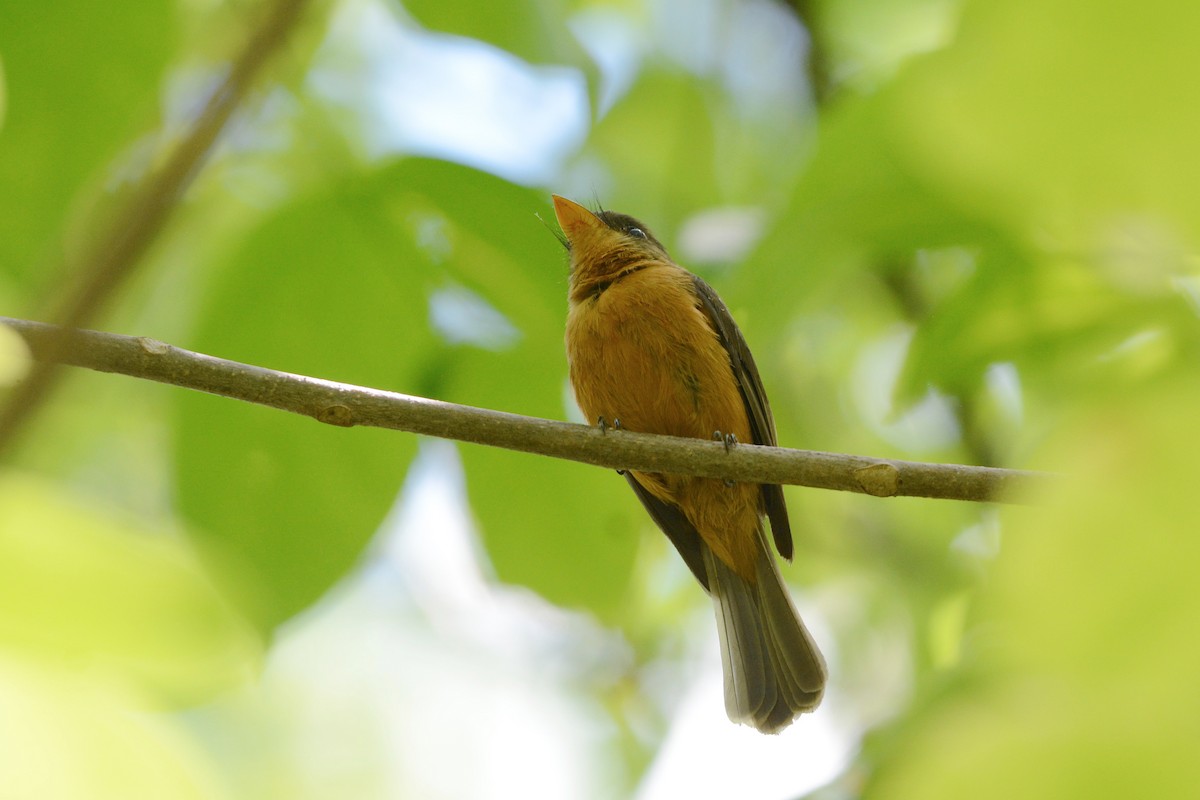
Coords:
652,348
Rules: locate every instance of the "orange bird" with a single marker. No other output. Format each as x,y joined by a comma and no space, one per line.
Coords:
653,349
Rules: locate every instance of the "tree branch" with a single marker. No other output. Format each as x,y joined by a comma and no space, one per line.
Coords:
347,405
820,64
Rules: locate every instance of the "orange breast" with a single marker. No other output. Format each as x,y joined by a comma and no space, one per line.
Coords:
643,352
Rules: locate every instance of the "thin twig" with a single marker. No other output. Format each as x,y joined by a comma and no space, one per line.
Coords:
114,255
347,405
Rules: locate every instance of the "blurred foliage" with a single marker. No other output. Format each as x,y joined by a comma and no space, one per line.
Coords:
104,624
1082,656
69,116
982,248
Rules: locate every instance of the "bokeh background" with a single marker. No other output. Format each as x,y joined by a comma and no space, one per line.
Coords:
951,231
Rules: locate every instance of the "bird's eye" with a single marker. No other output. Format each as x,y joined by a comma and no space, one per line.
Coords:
637,233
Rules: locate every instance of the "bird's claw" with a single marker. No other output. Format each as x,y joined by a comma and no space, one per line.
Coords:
729,440
603,425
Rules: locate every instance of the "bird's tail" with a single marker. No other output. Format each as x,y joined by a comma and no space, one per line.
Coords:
773,670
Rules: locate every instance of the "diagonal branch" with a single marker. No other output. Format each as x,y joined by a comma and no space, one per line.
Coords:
114,255
347,405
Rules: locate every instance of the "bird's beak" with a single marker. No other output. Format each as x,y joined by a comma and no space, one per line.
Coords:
574,219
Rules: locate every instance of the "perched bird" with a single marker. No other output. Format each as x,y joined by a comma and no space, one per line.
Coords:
653,349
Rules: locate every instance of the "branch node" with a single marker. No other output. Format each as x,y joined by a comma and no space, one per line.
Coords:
880,480
337,414
153,346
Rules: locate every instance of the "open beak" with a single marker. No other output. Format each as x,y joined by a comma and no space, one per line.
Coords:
574,219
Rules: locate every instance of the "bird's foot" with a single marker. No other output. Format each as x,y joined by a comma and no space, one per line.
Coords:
729,440
603,425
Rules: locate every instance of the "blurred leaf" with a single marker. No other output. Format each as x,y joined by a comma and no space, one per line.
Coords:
1063,136
660,141
81,587
336,287
1099,588
890,180
565,530
534,30
1086,662
69,735
1035,144
568,531
869,40
1062,324
329,288
862,203
83,80
577,547
483,232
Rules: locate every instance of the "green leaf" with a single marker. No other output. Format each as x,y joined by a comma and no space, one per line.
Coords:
329,287
1062,203
568,531
336,287
483,233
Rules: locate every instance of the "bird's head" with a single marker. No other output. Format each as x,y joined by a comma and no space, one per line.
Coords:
604,244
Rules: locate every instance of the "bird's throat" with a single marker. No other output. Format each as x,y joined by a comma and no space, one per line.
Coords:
592,278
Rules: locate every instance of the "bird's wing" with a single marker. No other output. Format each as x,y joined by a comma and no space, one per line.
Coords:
758,409
675,525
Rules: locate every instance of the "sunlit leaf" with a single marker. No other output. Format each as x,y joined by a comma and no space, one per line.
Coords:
73,735
1061,136
83,586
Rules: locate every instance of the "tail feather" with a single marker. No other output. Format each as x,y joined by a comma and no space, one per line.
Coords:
773,670
744,657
